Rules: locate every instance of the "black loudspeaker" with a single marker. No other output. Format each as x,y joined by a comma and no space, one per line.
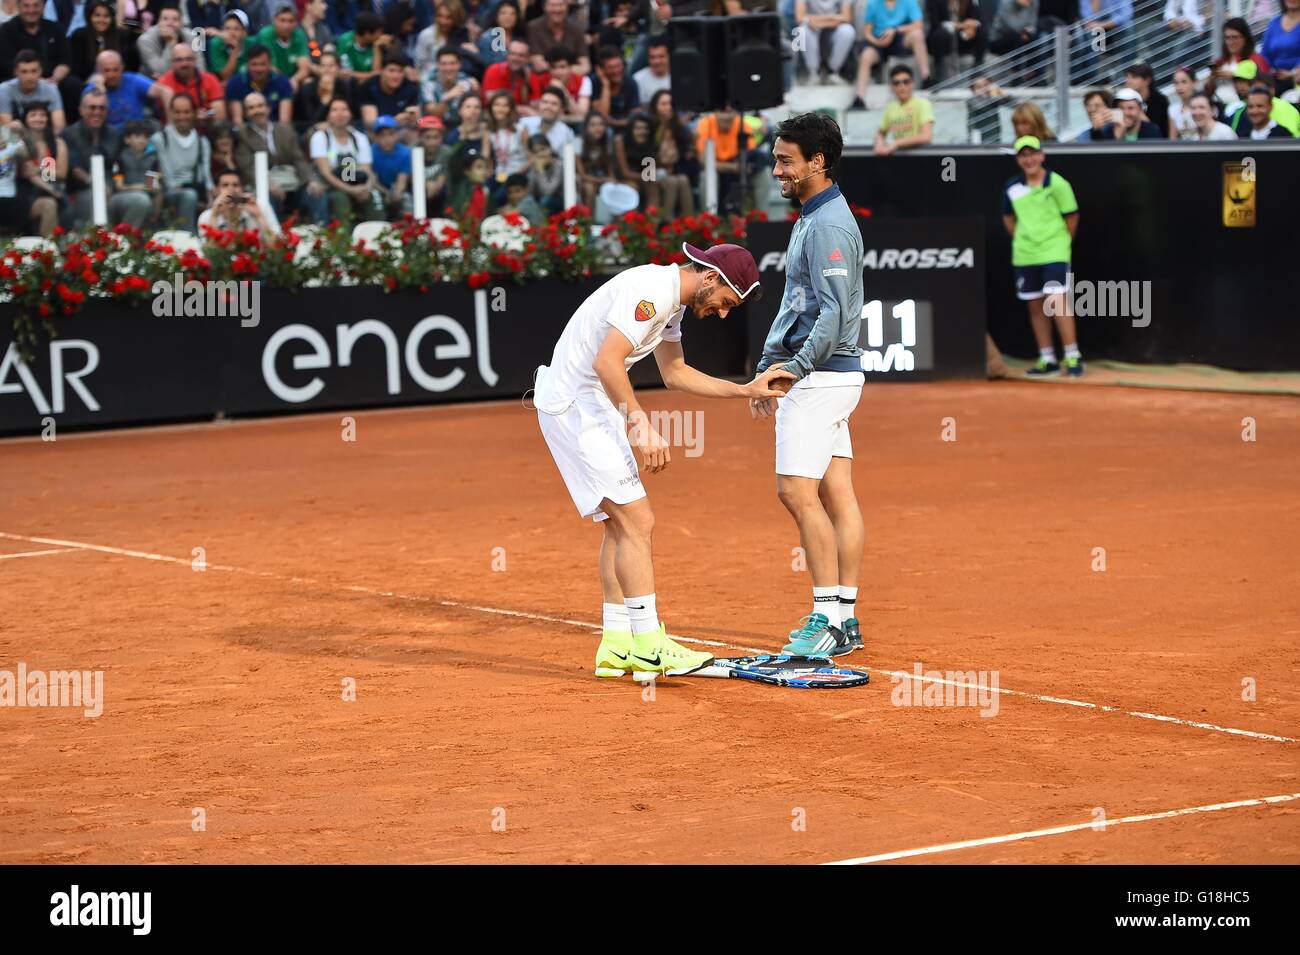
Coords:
753,61
697,57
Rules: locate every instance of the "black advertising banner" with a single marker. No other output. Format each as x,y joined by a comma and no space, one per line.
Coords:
313,350
923,304
1162,272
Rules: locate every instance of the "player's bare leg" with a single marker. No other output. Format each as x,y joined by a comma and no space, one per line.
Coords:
627,574
609,585
817,536
836,493
633,528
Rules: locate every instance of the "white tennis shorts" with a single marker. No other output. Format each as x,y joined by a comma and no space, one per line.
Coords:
588,441
812,423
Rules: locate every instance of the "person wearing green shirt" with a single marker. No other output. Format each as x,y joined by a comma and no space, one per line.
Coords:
231,40
1041,215
357,47
287,42
908,120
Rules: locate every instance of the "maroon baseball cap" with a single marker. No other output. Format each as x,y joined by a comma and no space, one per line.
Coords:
733,263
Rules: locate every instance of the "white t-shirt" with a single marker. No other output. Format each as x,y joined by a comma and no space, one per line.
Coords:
1217,132
324,144
647,84
642,303
559,134
1181,118
10,160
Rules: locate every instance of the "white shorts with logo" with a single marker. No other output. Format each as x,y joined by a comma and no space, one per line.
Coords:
588,441
812,423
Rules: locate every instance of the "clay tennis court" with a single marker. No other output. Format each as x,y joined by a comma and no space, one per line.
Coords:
373,560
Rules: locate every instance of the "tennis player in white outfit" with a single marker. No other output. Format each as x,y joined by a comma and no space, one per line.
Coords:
592,423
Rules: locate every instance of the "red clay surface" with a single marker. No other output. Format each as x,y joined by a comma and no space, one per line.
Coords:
223,687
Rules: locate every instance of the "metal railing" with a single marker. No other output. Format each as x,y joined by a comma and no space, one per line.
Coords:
1055,69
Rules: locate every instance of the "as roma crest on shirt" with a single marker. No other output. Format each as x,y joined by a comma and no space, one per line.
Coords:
645,310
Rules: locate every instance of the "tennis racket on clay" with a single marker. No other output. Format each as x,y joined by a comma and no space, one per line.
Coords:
808,673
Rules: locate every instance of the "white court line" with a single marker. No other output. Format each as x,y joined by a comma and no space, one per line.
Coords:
126,431
1100,707
1061,830
587,625
37,553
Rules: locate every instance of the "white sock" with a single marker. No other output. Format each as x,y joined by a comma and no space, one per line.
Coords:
826,600
1047,354
643,614
1072,351
848,601
616,617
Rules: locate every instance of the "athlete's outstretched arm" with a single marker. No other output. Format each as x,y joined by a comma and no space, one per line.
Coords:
680,376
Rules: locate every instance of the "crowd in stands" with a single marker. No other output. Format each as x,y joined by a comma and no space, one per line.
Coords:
179,95
1244,90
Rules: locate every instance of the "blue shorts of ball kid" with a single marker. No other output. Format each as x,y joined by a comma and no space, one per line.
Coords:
1038,281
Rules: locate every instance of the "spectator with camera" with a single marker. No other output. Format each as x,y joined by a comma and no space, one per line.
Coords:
235,210
1128,120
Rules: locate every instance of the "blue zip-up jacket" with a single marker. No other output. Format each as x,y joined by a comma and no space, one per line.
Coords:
819,323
